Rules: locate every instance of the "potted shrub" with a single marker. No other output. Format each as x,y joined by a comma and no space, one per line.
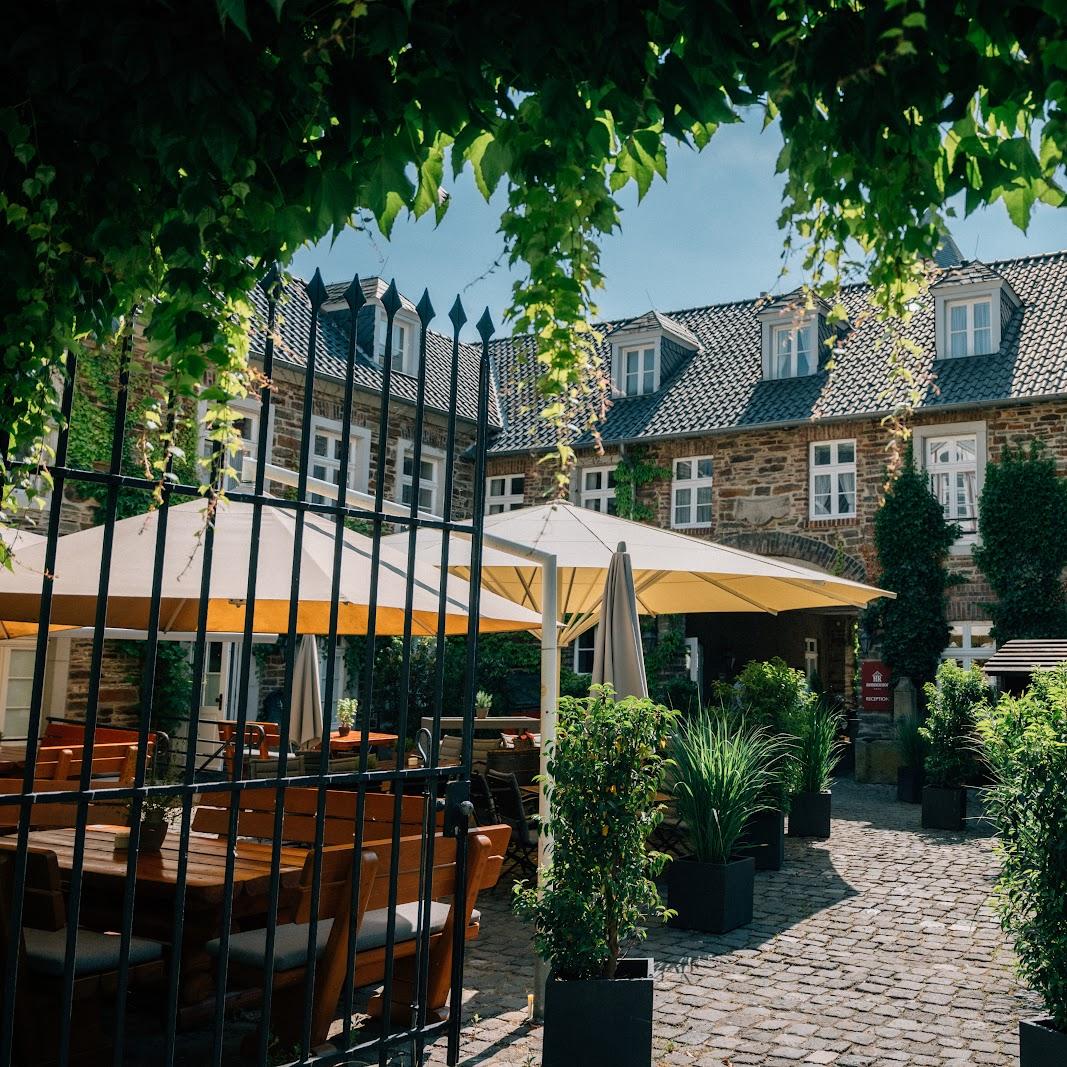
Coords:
347,708
950,737
604,770
483,704
774,697
720,773
1025,745
912,751
158,811
818,747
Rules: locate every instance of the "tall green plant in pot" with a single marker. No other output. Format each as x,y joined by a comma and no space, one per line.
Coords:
1025,744
911,777
950,734
818,748
604,770
721,771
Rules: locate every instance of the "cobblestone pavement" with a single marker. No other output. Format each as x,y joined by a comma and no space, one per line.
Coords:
876,948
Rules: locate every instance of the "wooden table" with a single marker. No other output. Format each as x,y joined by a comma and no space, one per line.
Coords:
352,741
12,759
157,875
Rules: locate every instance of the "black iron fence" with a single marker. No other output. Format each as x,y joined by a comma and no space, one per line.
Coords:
116,972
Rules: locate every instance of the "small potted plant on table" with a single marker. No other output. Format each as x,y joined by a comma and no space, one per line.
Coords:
158,811
818,747
720,773
347,709
1025,744
483,704
604,770
951,743
912,751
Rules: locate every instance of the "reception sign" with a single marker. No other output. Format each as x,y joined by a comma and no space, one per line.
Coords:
874,686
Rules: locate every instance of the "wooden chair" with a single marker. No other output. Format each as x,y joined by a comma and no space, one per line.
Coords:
485,855
114,759
247,948
49,815
41,949
262,740
511,807
256,817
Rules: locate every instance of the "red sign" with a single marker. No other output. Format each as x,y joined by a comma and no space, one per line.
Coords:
874,686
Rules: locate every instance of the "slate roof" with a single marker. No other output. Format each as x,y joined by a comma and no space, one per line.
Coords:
331,353
722,388
653,320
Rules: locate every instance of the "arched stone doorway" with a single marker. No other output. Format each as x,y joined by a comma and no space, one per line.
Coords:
799,549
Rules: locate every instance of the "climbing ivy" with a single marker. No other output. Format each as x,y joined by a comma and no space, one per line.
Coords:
1023,546
633,471
173,684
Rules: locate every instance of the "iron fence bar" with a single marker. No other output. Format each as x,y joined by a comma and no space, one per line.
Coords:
426,312
391,303
355,299
92,702
148,686
458,317
188,778
33,728
459,939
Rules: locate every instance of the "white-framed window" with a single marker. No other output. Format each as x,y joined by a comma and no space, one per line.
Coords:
249,411
325,462
639,370
970,643
811,658
969,327
951,461
832,470
793,350
431,463
504,492
405,359
16,685
598,489
584,651
691,492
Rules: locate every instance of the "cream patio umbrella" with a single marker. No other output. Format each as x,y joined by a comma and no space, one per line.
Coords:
78,559
305,715
673,573
16,541
618,657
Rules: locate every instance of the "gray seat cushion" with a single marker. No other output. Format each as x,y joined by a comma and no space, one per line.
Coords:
97,953
248,947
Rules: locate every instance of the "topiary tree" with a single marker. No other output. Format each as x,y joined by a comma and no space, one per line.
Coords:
604,769
913,541
1023,550
950,731
1025,745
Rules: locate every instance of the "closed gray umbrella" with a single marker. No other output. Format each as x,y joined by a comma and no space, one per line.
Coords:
618,658
305,716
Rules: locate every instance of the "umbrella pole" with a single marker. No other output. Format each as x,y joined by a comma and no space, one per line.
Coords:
549,703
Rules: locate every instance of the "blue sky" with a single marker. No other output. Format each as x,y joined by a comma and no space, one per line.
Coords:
707,235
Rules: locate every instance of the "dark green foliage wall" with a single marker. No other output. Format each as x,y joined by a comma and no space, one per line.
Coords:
1023,550
913,542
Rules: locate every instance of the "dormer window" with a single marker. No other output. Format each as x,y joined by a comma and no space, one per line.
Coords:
640,367
793,350
970,327
404,355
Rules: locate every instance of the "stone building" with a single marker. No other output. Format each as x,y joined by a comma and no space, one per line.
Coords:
765,424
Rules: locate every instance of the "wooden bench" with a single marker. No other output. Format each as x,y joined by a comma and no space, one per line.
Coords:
117,760
262,738
51,815
257,807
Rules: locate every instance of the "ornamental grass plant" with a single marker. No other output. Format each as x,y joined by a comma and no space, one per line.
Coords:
1025,744
911,747
720,778
597,893
818,747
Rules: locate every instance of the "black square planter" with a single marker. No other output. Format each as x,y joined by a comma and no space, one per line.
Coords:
910,782
764,840
1040,1045
809,815
711,897
600,1022
944,808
